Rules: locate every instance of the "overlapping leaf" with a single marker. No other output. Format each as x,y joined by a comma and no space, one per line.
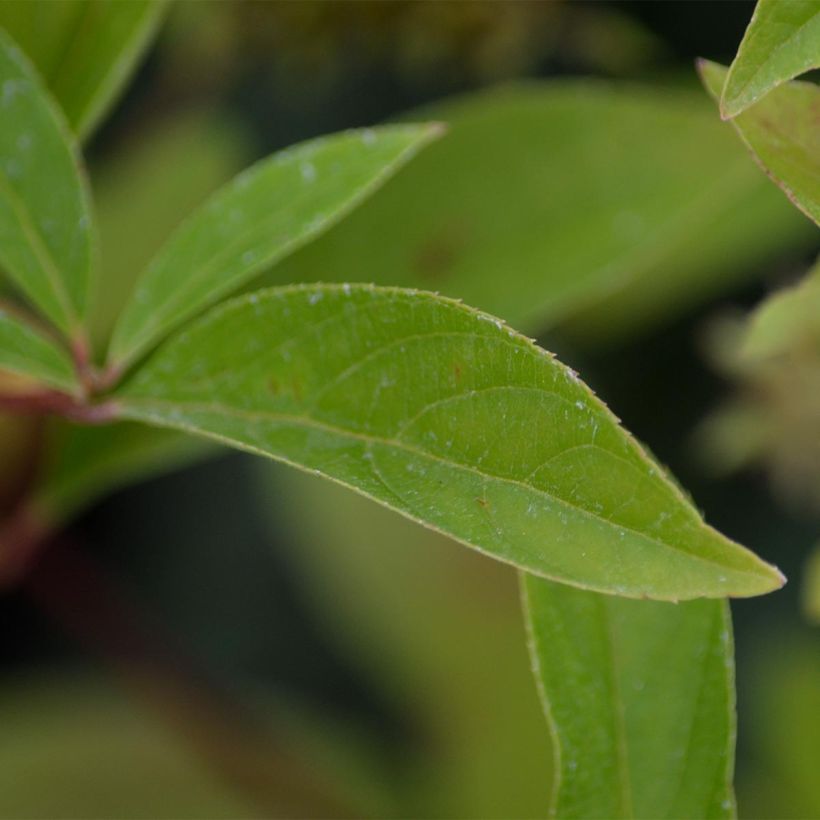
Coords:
85,49
782,41
781,130
546,200
640,698
265,213
45,215
27,352
448,416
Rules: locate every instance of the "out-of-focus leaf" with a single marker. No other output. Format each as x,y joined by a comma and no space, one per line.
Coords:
782,725
98,756
87,462
782,41
640,699
786,319
45,212
265,213
781,131
147,187
811,587
28,352
448,416
545,200
85,50
436,631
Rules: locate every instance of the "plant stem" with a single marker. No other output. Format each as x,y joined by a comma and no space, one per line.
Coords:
52,402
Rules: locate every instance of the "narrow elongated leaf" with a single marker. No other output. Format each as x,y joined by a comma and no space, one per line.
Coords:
28,352
782,41
781,131
265,213
45,214
640,699
621,203
450,417
85,49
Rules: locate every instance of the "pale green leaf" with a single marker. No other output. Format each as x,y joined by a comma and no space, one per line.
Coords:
781,131
28,352
553,198
640,699
787,321
782,41
810,588
265,213
451,418
45,212
85,50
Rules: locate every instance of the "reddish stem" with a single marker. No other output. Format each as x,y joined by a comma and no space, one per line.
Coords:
48,402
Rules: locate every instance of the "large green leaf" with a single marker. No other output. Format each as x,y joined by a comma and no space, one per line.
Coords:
781,131
640,699
448,416
28,352
45,213
84,49
265,213
546,199
782,41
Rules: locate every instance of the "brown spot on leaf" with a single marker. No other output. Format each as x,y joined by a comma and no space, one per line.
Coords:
437,256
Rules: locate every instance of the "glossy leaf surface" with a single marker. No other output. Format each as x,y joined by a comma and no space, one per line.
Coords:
450,417
27,352
782,41
45,219
781,130
549,200
266,212
640,699
85,50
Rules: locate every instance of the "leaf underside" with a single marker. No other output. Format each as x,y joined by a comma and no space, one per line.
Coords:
781,131
451,418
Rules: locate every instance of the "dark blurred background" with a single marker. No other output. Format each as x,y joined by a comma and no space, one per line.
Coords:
199,641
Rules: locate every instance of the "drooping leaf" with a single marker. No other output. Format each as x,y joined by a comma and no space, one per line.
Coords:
28,352
45,214
84,49
265,213
546,200
640,699
782,41
781,131
451,418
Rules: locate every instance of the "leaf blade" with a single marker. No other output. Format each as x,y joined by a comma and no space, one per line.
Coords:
274,207
27,352
639,696
781,133
86,49
46,227
781,41
404,406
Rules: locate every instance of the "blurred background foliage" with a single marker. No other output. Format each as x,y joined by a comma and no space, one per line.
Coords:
229,638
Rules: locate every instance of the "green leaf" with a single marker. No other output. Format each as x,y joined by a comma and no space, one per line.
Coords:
265,213
782,41
45,211
85,50
448,416
781,131
27,352
640,699
549,199
786,321
810,588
